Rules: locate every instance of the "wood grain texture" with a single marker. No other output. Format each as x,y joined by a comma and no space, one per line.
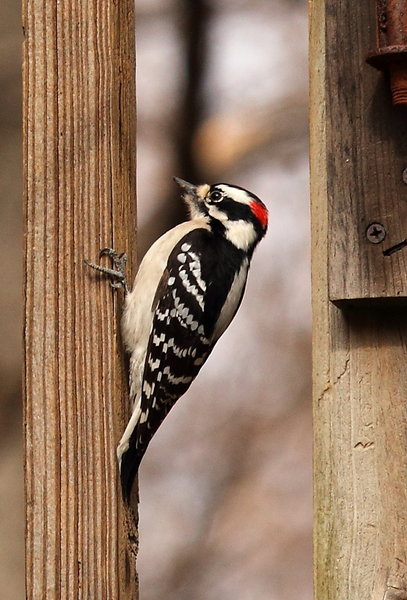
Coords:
359,395
366,154
79,167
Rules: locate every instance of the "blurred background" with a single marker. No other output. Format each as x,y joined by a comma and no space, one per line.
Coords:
225,487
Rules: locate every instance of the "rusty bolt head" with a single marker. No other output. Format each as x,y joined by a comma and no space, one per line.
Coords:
375,233
391,52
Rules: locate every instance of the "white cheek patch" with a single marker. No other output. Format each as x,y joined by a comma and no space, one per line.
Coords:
216,213
241,233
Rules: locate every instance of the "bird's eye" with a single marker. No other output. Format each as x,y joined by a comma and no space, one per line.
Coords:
216,195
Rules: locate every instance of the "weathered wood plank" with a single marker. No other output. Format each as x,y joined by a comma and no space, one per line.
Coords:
359,375
366,153
79,164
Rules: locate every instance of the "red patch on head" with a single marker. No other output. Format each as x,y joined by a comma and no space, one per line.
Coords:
260,212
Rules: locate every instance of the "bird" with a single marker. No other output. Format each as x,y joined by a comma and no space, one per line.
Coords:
186,292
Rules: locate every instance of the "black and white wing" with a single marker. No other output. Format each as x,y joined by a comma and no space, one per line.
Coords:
187,311
178,346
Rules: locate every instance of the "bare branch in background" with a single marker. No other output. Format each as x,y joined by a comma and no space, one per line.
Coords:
195,23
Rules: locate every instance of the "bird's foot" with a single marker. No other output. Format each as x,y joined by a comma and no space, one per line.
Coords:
118,273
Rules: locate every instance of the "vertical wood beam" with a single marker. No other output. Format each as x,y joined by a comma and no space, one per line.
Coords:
360,386
79,167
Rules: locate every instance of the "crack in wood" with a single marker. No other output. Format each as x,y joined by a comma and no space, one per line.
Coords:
395,248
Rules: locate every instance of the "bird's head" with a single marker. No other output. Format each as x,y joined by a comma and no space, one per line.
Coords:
241,215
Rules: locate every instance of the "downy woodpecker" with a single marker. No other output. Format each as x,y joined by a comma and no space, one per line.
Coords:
187,290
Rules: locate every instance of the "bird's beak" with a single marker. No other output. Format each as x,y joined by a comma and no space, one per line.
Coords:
193,196
189,188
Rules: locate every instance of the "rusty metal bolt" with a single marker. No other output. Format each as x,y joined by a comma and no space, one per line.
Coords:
391,52
375,233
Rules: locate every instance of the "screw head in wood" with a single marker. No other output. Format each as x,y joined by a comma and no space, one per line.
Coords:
375,233
404,175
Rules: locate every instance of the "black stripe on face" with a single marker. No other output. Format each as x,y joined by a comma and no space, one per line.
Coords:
236,211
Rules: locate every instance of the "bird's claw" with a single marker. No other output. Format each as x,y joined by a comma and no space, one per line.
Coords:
118,273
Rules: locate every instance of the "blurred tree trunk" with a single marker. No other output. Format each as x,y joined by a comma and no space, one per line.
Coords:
194,18
79,163
195,30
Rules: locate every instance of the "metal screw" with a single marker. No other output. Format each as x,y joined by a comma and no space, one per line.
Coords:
375,233
404,175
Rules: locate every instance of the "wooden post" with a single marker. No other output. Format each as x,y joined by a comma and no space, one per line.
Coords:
358,153
79,162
